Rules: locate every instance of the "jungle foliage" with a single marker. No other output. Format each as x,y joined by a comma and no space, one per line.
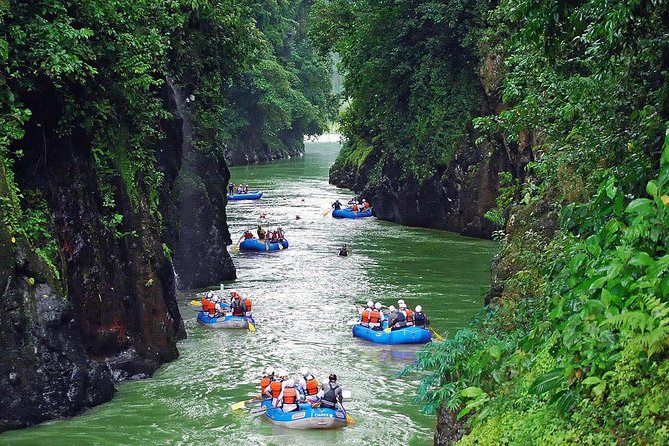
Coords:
574,351
103,65
410,77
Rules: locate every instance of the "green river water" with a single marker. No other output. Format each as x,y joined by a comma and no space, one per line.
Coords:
303,298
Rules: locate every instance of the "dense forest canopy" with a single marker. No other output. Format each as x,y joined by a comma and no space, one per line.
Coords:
246,67
573,347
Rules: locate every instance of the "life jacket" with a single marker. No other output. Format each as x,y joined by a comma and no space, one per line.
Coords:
330,397
420,319
248,303
208,306
400,320
366,315
355,208
264,382
289,395
311,386
409,316
276,388
366,205
375,316
237,308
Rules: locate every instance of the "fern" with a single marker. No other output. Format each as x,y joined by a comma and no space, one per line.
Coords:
547,381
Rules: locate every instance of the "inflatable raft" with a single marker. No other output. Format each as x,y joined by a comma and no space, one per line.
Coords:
253,244
222,321
406,335
249,196
348,213
306,417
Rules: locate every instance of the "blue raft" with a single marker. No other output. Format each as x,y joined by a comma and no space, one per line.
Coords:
306,417
348,213
222,321
406,335
253,244
249,196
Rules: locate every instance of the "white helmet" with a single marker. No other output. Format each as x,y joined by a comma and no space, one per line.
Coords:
269,371
391,308
282,373
290,382
377,305
400,302
419,308
403,305
210,294
304,371
216,299
370,304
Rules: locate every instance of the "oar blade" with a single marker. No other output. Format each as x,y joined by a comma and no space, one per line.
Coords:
349,420
252,327
239,406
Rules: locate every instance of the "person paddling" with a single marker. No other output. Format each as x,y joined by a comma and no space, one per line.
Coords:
266,381
420,319
288,400
331,393
343,251
336,205
308,385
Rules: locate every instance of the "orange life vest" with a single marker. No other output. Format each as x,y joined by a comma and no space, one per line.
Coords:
289,395
366,205
276,388
409,315
208,306
312,386
249,304
355,208
375,316
264,383
366,315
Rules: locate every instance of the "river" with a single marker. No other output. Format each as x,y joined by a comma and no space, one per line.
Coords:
303,298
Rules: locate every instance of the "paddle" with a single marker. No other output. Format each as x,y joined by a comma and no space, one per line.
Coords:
242,404
195,303
349,419
436,335
252,327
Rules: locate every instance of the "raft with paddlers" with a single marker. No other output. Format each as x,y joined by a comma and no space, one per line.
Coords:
406,335
307,417
228,321
254,244
247,196
349,213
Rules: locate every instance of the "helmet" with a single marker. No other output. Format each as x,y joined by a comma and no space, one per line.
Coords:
235,293
332,377
282,373
364,201
419,308
403,305
400,302
377,305
216,299
290,382
269,371
210,294
391,308
370,304
304,371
